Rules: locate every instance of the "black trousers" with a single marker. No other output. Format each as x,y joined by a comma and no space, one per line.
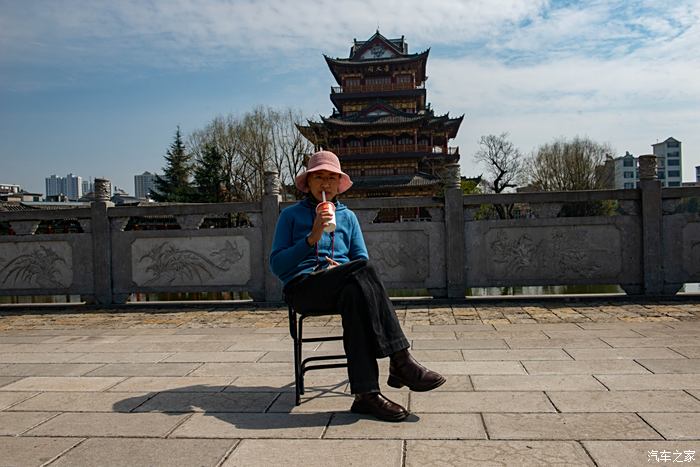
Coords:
371,328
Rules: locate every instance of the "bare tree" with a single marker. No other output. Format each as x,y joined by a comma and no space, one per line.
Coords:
261,139
568,165
572,165
504,167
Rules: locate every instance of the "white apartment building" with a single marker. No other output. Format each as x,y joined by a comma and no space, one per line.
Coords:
144,184
625,171
669,162
70,185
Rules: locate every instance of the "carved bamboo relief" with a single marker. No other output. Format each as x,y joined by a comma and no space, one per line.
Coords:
46,265
191,261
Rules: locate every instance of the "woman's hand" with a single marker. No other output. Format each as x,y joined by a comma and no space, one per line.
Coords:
322,219
331,262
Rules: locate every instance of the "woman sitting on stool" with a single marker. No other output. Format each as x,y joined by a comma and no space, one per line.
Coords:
324,271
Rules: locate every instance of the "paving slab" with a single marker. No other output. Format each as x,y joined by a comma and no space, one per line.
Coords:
568,426
536,383
120,357
141,425
5,380
639,382
83,402
327,402
132,452
584,367
208,402
313,381
480,401
685,425
36,357
623,353
33,451
144,369
444,344
216,356
244,369
673,341
164,383
626,453
48,369
8,399
15,423
417,426
518,354
493,367
593,333
674,366
452,327
316,453
689,352
443,453
253,425
557,343
59,383
624,401
453,355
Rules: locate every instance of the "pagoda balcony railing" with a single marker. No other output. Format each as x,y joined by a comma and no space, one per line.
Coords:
376,87
394,148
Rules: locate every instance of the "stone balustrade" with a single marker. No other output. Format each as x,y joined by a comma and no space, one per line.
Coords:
648,244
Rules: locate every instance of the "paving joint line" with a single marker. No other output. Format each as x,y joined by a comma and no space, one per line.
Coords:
38,424
177,425
583,446
64,452
229,452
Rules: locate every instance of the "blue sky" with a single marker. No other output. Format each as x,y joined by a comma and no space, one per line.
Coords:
97,88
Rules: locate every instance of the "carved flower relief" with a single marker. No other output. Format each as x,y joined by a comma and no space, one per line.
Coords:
518,253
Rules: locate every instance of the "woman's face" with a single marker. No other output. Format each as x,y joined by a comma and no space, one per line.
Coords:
323,180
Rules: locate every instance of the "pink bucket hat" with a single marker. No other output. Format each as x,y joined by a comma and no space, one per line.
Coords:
323,160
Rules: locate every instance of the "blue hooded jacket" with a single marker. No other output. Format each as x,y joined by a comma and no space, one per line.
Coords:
291,255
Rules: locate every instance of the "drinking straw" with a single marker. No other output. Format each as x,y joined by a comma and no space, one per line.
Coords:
323,194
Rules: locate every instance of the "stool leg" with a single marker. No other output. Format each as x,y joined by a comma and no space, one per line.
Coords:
301,370
297,353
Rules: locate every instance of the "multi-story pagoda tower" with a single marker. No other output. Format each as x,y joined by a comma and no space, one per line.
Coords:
387,137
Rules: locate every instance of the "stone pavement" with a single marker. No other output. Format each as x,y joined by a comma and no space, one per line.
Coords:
557,383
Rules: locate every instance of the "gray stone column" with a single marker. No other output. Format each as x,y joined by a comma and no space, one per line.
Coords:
270,213
651,225
101,242
454,233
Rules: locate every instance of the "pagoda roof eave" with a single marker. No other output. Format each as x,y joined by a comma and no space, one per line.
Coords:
335,62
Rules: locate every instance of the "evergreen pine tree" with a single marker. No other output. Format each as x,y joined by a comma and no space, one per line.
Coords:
209,175
174,186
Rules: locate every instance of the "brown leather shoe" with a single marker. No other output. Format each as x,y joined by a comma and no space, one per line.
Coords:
404,370
374,403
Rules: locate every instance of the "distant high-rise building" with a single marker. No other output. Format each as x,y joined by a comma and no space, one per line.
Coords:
74,187
144,184
88,186
55,186
669,162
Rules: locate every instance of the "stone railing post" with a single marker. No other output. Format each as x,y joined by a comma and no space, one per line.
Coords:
651,225
454,233
270,213
102,242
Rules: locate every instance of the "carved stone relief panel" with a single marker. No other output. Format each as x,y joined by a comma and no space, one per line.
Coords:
399,256
563,252
40,265
190,261
691,249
